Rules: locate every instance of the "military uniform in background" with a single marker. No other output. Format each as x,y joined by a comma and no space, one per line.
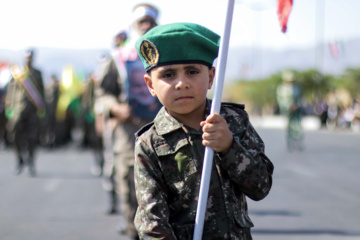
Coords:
288,96
133,107
91,138
168,166
51,98
25,107
107,91
132,91
5,77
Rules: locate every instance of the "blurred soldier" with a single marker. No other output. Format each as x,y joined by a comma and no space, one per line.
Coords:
52,101
25,106
133,108
289,101
91,138
5,76
108,87
120,39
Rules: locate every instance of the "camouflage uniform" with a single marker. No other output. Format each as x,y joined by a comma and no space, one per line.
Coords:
168,169
122,160
24,125
106,94
289,101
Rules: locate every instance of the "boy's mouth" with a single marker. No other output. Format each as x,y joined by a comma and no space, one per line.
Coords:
183,98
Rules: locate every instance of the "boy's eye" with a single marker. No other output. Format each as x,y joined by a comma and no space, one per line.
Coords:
191,72
168,75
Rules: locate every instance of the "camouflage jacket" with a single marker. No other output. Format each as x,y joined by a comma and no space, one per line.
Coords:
18,100
168,168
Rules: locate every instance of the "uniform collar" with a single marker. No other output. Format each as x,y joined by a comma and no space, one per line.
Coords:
165,123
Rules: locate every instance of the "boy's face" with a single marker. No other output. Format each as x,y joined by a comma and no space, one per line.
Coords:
181,88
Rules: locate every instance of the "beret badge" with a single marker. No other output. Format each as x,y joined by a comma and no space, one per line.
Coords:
149,52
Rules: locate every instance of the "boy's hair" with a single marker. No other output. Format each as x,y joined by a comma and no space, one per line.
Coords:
178,43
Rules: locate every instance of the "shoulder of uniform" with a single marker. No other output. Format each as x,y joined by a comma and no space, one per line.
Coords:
143,129
34,69
233,105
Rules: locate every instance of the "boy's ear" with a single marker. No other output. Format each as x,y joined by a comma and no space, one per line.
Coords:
149,84
211,77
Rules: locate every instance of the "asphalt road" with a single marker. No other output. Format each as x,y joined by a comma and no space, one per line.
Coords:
63,202
315,193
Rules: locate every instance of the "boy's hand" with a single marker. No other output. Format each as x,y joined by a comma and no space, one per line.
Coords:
216,133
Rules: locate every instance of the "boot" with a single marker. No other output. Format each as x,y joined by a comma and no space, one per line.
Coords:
31,166
113,203
19,166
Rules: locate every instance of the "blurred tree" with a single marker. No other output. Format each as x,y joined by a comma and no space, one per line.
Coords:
260,95
351,81
315,85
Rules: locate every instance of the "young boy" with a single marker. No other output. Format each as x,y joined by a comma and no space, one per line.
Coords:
169,152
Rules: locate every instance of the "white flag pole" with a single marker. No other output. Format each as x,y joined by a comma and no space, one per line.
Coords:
215,108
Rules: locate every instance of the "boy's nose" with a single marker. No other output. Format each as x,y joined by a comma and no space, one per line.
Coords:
182,83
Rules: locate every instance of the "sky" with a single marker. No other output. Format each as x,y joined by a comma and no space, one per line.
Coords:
84,24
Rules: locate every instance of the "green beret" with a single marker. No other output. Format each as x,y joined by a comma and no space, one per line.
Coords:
178,43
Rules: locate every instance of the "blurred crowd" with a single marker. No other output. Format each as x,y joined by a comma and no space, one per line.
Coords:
337,110
335,114
68,113
99,111
69,116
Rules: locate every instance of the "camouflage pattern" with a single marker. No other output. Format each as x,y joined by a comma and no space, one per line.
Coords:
168,168
24,122
288,96
119,160
24,115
